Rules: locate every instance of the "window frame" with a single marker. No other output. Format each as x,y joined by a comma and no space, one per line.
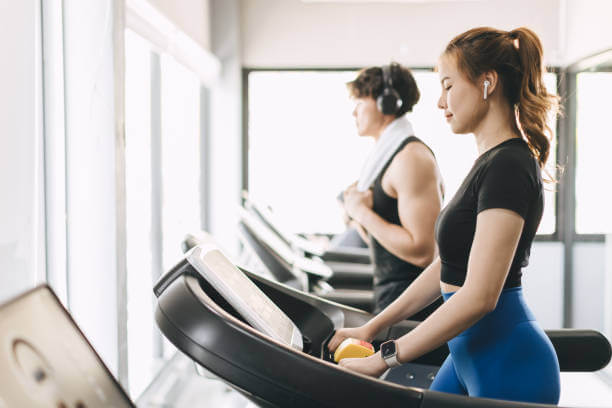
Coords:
568,81
591,63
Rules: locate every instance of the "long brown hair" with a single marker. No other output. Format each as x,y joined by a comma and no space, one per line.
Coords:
516,56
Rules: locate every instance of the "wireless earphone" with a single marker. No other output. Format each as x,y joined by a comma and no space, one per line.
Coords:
389,102
486,87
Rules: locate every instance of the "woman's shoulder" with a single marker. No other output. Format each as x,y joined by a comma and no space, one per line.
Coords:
513,154
511,164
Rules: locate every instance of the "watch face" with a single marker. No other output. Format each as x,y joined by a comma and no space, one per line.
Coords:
387,349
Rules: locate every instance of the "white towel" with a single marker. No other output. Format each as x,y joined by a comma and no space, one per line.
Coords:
390,140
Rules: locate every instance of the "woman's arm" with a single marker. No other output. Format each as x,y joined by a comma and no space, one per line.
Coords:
422,292
497,235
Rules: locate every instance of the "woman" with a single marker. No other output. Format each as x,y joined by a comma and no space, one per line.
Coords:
492,87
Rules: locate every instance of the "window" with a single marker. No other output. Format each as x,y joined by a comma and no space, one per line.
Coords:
593,144
162,102
139,184
304,150
180,156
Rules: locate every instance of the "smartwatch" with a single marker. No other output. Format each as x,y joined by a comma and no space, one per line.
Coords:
388,352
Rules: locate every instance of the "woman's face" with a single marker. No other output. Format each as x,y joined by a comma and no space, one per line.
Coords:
461,100
368,119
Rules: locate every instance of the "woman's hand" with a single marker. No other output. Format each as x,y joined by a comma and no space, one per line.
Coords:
357,202
373,366
359,333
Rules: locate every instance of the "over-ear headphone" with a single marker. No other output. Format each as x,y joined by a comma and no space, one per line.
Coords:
389,102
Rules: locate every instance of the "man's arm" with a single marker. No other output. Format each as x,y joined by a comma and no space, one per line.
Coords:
360,230
414,178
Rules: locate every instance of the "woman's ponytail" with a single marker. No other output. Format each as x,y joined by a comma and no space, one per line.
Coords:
534,102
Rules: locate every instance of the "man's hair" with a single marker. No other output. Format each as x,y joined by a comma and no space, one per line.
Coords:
369,83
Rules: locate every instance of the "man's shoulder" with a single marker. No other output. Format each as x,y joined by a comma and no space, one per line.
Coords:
413,168
414,155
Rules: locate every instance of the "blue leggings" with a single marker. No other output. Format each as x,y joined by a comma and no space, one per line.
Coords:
505,355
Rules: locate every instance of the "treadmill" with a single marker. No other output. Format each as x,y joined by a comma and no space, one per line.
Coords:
351,266
296,270
268,341
342,253
46,361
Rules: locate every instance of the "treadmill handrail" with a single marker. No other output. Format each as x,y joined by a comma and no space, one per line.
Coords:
266,236
165,280
267,218
580,349
264,232
351,269
296,242
347,254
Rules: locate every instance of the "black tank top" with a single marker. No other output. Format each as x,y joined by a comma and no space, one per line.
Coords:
388,267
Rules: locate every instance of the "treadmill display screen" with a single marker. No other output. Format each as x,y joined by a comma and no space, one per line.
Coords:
244,295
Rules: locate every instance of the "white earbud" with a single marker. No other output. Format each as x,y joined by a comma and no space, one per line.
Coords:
486,87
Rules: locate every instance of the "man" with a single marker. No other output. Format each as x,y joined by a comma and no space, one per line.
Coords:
398,196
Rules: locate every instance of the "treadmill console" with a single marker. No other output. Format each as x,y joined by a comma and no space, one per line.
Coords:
243,295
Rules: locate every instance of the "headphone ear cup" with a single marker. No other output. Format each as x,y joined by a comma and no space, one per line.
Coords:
389,102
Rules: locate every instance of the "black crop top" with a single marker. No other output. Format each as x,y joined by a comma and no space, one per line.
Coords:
506,176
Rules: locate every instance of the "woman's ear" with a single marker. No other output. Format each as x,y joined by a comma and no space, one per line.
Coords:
488,83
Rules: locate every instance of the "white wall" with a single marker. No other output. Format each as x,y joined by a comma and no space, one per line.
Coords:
607,287
588,28
21,206
543,283
290,33
588,291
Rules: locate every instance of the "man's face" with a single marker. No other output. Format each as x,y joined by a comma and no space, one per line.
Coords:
368,119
